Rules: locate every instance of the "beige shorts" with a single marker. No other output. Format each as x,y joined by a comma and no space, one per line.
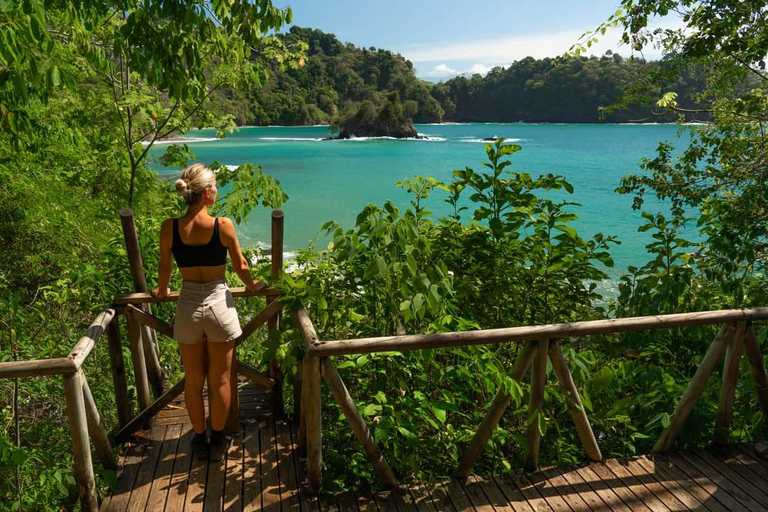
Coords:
205,312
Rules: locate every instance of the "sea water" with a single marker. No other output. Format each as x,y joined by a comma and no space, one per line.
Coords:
333,180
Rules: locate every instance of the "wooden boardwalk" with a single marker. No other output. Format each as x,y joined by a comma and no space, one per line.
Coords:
264,472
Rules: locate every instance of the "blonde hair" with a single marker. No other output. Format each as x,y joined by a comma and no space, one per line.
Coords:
194,180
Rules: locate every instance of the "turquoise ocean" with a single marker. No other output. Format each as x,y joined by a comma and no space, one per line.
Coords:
334,180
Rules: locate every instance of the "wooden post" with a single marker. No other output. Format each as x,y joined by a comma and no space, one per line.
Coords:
578,413
695,388
139,367
494,414
757,367
233,418
149,339
314,426
78,431
303,418
538,382
356,421
273,324
96,428
728,390
122,399
297,391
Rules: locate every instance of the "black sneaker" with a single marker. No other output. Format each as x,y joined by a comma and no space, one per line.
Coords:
219,445
200,445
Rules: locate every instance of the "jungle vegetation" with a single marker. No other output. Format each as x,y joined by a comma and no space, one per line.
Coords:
83,83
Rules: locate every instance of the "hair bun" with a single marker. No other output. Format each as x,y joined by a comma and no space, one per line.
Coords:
182,187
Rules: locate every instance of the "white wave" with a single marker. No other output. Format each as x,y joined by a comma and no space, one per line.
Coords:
292,139
489,141
183,140
427,138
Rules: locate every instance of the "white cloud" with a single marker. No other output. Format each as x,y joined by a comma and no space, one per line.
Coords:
479,68
513,48
442,71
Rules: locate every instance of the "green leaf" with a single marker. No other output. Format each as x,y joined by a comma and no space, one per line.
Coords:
19,457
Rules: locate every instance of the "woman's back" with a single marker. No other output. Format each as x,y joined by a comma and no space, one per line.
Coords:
199,248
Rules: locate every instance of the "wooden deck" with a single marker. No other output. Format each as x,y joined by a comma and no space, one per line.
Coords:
264,472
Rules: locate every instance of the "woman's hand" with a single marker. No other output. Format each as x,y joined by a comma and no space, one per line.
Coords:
158,294
255,286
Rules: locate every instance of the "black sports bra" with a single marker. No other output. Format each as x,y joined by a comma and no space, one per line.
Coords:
211,254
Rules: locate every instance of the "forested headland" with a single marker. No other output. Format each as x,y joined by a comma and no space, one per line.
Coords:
86,88
336,78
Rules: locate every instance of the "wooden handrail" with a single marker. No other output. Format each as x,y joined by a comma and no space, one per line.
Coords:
146,298
37,368
83,348
534,332
736,335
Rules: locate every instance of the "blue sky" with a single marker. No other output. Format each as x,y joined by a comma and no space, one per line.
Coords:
449,37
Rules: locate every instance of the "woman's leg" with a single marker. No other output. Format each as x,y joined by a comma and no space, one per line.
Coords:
193,359
219,367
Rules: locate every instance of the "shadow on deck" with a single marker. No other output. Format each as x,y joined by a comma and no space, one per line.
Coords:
263,471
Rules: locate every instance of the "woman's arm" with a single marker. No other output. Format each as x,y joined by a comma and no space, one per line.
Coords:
164,268
239,263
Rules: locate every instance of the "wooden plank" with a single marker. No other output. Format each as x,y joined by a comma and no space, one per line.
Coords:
161,481
611,499
511,485
673,480
308,501
756,452
289,488
441,499
198,475
582,488
554,490
736,473
347,502
234,479
126,476
714,488
634,485
270,483
385,502
675,498
252,466
480,502
177,489
516,502
214,486
144,479
404,502
547,491
422,499
328,503
535,332
717,474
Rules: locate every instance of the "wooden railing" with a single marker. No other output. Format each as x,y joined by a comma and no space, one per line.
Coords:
542,342
84,420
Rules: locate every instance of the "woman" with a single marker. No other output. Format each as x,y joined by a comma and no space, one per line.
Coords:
206,324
